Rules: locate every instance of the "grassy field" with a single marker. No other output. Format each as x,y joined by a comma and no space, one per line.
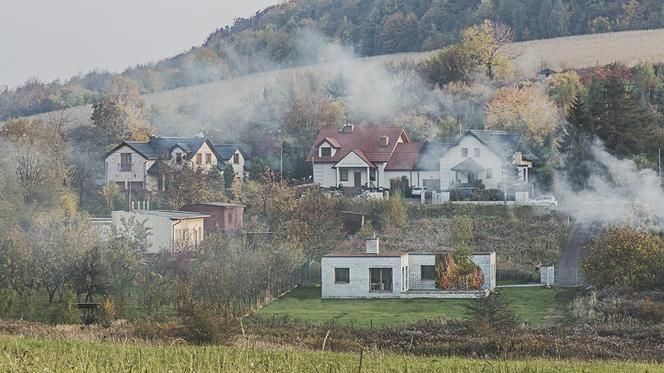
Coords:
532,305
27,355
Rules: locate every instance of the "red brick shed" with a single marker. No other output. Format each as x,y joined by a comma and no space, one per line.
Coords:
223,216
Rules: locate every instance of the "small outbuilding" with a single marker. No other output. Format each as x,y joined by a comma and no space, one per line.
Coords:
227,217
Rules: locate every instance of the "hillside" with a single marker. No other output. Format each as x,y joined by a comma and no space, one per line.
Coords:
216,106
291,34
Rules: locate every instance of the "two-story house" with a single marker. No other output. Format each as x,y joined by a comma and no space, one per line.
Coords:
490,157
138,165
361,156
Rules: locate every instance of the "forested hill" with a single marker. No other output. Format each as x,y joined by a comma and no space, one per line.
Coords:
293,33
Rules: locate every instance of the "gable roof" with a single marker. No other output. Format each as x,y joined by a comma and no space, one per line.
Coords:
161,147
405,157
330,140
366,139
503,143
226,151
360,154
468,164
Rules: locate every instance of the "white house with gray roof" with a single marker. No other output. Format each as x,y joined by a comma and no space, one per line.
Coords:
492,157
137,166
374,156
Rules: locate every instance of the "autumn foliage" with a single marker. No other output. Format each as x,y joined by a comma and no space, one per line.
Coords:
457,276
626,257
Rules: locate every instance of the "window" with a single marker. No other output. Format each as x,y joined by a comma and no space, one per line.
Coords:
372,174
178,158
343,174
464,152
208,158
428,272
326,152
125,162
489,173
341,275
236,158
477,152
380,279
199,158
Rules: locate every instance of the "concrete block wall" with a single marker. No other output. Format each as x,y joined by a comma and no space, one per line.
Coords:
358,286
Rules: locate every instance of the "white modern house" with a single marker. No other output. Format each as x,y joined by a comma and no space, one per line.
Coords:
169,230
137,166
374,274
373,156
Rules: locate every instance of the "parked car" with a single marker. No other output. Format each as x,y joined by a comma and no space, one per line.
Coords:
417,191
545,201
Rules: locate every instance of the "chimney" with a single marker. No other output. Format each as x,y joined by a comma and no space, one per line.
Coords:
384,141
372,245
348,128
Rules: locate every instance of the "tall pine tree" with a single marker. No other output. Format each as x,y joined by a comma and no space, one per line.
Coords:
575,144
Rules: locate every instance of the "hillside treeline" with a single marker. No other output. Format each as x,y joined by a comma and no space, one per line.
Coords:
294,33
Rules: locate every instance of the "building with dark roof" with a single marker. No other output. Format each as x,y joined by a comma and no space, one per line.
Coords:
137,166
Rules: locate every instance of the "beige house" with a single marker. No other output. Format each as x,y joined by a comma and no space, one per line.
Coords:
169,230
137,166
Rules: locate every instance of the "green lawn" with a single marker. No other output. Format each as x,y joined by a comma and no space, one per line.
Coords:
532,305
29,355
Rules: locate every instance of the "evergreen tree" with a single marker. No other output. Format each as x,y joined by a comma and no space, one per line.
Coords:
575,142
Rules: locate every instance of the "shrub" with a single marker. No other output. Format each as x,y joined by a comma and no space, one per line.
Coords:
64,311
7,302
200,326
626,257
492,313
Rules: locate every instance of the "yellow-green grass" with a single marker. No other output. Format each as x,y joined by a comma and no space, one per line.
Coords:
29,355
532,305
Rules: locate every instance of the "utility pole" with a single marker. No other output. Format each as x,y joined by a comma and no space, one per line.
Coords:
281,162
659,162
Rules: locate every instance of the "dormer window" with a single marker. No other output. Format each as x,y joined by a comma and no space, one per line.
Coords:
326,152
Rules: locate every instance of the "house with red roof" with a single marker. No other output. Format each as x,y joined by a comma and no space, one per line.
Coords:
355,156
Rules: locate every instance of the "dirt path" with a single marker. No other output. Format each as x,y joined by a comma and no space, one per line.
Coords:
569,272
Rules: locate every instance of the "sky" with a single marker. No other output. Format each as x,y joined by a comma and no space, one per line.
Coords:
57,39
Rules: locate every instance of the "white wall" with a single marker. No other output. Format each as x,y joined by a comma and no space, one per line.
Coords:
358,287
162,229
488,160
113,173
486,262
325,175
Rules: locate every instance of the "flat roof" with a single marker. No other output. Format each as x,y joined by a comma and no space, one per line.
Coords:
175,215
393,254
217,204
365,255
